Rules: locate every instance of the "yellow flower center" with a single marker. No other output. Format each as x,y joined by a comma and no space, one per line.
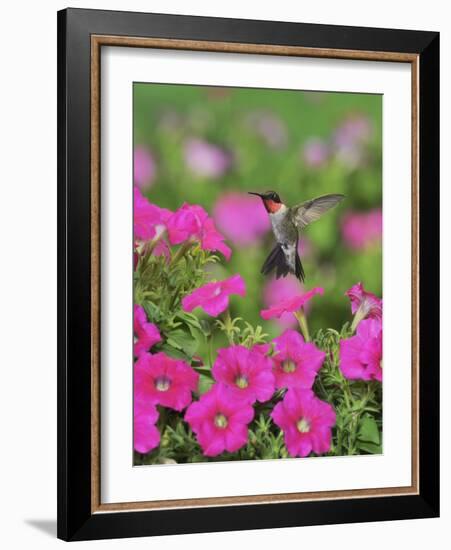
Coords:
162,384
288,366
242,382
303,425
220,421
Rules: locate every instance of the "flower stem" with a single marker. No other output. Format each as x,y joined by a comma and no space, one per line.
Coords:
181,252
303,325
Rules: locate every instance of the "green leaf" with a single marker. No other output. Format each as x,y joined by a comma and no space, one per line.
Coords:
371,448
205,383
369,431
182,340
175,353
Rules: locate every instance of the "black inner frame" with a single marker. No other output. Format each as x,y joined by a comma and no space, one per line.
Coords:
75,520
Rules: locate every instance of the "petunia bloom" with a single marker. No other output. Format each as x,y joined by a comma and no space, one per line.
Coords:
220,421
361,230
296,363
144,167
164,381
364,304
145,434
291,305
361,355
205,159
350,138
306,422
241,218
278,290
269,127
247,373
146,334
213,297
149,220
191,223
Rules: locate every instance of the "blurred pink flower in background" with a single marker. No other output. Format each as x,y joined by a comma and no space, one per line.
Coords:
220,421
191,222
350,138
144,167
315,152
306,422
362,229
213,298
147,334
205,159
145,434
361,355
278,290
270,128
240,218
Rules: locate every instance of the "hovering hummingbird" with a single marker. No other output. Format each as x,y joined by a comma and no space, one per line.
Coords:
286,223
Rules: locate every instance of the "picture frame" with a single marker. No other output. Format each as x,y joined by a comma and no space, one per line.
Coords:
81,36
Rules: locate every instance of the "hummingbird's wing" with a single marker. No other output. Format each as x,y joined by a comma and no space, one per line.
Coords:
309,211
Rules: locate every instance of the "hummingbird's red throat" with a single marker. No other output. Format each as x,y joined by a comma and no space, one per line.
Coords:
271,206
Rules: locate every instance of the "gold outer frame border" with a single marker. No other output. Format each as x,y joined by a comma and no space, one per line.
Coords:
97,41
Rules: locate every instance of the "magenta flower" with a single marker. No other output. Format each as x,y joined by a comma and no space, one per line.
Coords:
145,434
144,168
191,223
205,159
296,363
364,305
306,422
149,220
247,373
146,334
164,381
277,291
291,305
219,421
361,355
362,229
315,152
213,298
241,218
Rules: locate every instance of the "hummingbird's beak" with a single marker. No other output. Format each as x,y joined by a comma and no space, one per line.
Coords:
257,194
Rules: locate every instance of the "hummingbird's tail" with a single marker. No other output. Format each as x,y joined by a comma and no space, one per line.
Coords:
277,260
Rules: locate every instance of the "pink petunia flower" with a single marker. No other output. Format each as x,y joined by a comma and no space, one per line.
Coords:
247,373
270,128
144,167
164,381
364,304
291,304
147,334
296,363
220,421
361,355
191,223
306,422
241,218
145,434
213,298
361,230
350,138
315,152
149,220
279,290
205,159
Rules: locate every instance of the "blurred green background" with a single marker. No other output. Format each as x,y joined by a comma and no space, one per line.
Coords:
209,146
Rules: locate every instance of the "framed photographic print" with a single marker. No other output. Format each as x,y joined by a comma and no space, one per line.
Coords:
248,274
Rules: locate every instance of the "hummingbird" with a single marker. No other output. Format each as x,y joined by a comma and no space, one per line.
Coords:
286,223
